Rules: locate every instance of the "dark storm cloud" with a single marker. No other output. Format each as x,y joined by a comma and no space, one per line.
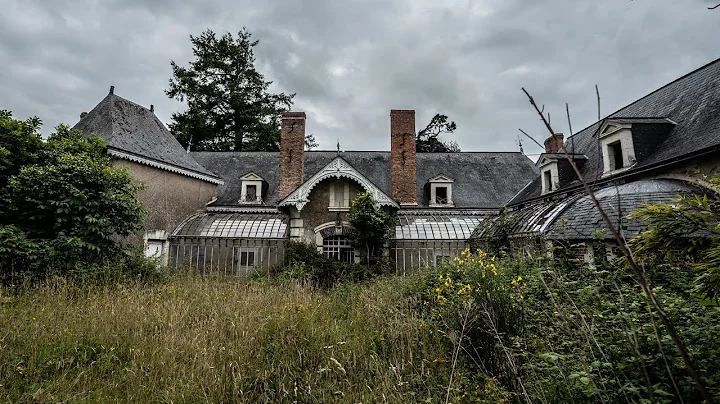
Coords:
349,62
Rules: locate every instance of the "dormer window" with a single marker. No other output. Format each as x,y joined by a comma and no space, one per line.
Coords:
251,191
549,173
441,191
616,139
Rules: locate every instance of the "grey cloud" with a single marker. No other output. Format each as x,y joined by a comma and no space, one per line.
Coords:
350,62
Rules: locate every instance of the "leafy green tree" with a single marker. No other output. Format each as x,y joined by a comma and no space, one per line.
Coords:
65,203
427,140
371,225
20,143
229,105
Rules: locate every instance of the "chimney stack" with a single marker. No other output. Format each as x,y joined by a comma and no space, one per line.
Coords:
83,114
554,144
402,156
292,153
112,89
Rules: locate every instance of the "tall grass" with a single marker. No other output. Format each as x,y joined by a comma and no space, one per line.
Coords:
219,340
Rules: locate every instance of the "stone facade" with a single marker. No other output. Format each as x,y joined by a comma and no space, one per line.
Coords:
318,211
402,150
169,197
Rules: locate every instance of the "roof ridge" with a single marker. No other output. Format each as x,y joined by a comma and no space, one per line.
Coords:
609,116
111,113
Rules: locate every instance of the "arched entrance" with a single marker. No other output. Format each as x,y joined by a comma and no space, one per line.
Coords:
331,240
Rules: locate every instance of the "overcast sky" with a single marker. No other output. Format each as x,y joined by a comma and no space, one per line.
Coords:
350,62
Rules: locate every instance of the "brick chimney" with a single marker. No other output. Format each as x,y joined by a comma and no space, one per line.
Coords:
402,156
292,153
553,144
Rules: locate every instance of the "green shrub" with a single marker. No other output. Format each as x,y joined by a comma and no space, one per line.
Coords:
549,332
304,262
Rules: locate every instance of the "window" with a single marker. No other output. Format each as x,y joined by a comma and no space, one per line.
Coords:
251,193
339,195
441,195
338,247
547,180
615,155
245,258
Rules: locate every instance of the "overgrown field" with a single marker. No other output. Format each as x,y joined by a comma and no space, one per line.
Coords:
476,330
219,340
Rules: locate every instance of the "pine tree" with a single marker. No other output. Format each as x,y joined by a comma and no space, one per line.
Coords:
229,105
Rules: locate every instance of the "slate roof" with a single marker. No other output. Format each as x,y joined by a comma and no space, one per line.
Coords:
435,227
234,225
581,220
135,130
482,179
575,217
692,101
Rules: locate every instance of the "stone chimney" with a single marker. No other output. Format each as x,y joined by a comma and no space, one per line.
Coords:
553,144
292,153
402,156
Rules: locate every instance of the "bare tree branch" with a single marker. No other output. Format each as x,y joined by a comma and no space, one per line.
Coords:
637,271
531,138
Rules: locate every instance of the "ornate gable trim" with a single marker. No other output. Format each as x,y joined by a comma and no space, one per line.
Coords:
251,176
338,168
441,178
163,166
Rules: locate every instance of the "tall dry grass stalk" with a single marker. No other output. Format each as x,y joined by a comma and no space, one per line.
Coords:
217,340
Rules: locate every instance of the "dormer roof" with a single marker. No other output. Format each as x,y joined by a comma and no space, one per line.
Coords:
441,178
251,176
546,158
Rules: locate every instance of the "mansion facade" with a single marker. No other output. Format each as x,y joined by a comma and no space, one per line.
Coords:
233,211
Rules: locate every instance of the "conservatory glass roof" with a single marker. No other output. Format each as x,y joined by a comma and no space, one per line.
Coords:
436,227
235,225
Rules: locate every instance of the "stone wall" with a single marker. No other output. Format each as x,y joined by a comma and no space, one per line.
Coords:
316,212
169,197
694,170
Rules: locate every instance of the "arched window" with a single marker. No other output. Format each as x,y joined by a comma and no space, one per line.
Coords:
339,248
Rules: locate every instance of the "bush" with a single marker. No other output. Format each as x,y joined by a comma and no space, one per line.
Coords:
62,203
479,305
557,333
304,262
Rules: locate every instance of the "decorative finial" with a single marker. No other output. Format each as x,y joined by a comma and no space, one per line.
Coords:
338,146
519,143
112,89
152,108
